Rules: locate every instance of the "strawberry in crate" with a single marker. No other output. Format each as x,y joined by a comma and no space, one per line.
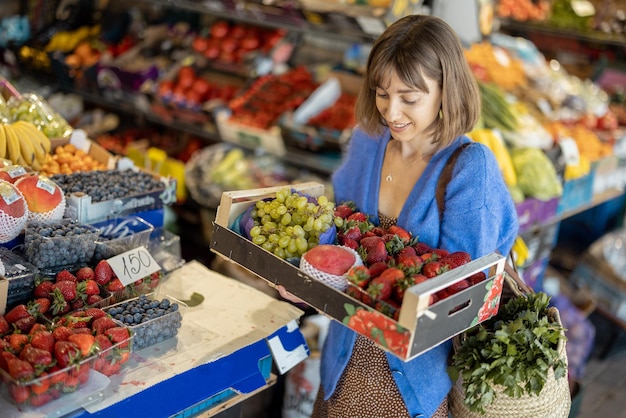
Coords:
393,261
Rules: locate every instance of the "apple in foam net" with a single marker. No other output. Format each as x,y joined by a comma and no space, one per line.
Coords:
41,193
331,259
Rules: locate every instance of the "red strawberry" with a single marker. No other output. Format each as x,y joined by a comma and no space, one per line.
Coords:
422,248
4,325
354,292
67,289
118,335
350,243
20,369
39,305
100,325
65,275
37,357
86,343
66,353
433,268
41,397
353,232
380,288
19,393
373,250
103,342
378,231
43,289
455,259
93,299
109,369
429,256
40,386
377,268
477,278
17,342
114,285
85,273
43,340
359,276
441,252
24,325
344,209
459,286
103,272
407,258
77,304
61,332
17,312
358,216
392,274
94,313
37,328
88,287
400,232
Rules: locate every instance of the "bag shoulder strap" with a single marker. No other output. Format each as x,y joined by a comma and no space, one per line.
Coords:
445,177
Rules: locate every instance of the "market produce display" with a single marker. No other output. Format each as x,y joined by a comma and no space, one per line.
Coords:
23,144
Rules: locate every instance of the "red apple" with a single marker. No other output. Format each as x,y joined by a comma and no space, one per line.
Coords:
42,194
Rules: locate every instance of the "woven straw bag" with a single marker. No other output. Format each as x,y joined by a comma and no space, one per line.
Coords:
554,400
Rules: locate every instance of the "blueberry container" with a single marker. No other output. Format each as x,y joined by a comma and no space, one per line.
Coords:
53,246
150,327
21,276
120,235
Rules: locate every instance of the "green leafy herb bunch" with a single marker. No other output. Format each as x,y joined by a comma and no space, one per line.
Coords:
514,350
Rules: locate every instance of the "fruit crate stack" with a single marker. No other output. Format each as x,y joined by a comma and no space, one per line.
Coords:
426,317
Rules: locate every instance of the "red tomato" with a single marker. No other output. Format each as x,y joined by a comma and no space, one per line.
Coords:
220,29
200,44
201,86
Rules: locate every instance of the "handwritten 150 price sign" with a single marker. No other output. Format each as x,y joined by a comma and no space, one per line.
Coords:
133,265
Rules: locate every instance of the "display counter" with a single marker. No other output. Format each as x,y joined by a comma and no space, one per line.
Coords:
223,352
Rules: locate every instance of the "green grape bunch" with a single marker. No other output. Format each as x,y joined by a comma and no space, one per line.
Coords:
290,224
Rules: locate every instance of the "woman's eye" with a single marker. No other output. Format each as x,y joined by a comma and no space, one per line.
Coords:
381,95
409,102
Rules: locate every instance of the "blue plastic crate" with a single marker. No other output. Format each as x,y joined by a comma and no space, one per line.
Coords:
576,193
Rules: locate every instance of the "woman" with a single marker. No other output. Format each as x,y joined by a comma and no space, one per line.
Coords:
417,100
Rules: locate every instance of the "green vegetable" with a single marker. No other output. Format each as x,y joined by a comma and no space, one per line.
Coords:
514,350
536,175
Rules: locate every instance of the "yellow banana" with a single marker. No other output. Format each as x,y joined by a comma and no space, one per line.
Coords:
27,149
504,159
36,137
3,143
13,144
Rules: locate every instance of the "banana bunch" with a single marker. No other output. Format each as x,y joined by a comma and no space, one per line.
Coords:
23,144
494,142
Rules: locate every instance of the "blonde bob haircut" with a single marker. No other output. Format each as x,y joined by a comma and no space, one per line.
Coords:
418,47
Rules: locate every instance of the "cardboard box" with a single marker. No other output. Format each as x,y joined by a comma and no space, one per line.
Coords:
249,137
594,274
419,326
93,149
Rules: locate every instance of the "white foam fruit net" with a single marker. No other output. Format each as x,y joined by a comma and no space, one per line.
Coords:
332,280
55,214
10,227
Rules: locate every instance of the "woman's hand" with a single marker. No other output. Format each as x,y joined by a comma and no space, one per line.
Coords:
288,296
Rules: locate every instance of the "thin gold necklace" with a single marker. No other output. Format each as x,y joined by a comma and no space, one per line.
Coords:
389,177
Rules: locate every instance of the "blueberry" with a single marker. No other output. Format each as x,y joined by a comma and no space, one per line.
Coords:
164,303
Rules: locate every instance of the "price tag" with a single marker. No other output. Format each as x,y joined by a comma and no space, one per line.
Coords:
133,265
569,148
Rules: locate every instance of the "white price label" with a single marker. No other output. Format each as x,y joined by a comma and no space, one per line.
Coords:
133,265
569,148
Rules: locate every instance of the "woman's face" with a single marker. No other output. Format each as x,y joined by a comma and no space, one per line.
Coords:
408,112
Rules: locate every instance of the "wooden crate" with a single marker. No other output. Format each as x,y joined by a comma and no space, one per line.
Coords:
420,326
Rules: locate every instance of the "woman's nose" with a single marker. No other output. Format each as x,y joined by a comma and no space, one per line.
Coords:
392,111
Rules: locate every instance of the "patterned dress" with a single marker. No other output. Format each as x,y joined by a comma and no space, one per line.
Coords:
368,370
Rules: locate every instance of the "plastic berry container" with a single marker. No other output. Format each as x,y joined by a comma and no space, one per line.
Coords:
64,389
150,329
53,246
21,276
120,235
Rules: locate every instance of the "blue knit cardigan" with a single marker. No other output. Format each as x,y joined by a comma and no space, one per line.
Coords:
479,218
